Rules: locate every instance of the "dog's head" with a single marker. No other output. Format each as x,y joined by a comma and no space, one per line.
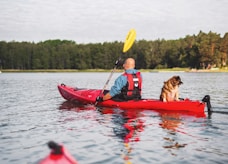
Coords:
176,81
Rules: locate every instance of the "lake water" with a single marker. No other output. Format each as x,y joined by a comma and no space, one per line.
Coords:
33,113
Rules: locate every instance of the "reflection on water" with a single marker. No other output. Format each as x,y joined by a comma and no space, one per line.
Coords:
171,122
33,113
129,124
73,106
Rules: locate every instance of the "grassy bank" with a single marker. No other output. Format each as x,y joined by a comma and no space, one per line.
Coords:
53,70
189,70
118,70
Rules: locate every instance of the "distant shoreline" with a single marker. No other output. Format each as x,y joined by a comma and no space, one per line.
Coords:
118,70
191,70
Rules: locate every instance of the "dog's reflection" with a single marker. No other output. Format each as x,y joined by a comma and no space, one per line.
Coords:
171,122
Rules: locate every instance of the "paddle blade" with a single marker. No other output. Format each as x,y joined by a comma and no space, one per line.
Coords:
129,40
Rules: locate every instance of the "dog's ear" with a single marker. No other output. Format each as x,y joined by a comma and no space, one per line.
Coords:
172,81
179,80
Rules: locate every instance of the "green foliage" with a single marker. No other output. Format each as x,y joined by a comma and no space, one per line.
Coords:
204,50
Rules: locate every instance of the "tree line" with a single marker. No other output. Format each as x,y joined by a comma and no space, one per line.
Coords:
201,51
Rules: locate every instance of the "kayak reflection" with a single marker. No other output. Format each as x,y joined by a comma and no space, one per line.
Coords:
74,106
128,123
127,126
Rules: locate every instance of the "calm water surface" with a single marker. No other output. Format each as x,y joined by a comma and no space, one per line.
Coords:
33,113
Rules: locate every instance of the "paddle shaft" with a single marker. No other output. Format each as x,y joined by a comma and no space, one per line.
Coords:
110,76
127,45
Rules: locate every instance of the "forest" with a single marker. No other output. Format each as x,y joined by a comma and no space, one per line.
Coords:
201,51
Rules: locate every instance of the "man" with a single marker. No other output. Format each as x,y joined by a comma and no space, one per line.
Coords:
127,86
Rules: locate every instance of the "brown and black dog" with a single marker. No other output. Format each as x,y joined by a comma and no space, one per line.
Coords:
169,90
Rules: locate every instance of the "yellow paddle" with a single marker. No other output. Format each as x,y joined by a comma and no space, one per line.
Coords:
129,40
127,45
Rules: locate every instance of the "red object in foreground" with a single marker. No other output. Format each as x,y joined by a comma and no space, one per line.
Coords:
58,155
88,96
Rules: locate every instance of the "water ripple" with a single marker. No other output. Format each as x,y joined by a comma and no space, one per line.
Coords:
33,113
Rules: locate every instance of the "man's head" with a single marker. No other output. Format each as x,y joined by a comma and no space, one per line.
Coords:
129,64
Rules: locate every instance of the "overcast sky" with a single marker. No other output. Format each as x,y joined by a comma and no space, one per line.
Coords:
85,21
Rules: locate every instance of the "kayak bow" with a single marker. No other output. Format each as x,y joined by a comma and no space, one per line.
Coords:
58,155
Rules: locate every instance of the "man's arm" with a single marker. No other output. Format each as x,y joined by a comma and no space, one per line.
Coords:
107,96
120,82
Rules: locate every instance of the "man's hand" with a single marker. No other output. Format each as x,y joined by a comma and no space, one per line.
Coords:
99,99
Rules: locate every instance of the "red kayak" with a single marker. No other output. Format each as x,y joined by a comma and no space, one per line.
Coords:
88,96
58,155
